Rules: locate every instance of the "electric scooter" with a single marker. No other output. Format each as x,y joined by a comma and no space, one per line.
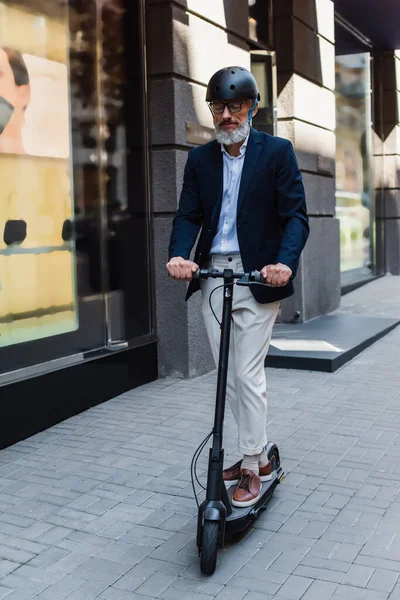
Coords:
217,516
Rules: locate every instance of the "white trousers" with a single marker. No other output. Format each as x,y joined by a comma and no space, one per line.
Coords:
251,332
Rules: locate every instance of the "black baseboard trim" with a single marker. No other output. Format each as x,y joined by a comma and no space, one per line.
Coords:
34,404
350,287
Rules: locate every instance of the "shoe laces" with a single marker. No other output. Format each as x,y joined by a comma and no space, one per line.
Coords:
245,482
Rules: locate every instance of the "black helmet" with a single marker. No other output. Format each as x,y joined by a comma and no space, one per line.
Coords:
231,83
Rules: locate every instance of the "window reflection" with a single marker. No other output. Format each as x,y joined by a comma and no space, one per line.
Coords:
260,22
353,173
263,69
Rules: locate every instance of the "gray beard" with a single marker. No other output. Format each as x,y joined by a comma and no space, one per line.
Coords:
232,137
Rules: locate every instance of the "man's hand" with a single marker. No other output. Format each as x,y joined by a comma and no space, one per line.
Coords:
179,268
276,275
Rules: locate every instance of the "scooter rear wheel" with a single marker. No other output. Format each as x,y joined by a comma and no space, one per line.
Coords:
209,547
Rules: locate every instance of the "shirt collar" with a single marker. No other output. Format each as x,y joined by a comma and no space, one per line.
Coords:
242,148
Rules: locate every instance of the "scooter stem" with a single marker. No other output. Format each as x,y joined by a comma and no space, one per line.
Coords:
216,491
223,363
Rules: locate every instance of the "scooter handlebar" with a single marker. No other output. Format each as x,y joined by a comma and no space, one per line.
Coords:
252,277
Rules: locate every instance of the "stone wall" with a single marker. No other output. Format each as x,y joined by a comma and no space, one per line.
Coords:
304,39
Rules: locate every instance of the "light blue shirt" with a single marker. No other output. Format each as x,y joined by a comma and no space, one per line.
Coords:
226,240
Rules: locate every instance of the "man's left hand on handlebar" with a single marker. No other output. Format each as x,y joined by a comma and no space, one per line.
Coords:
179,268
276,275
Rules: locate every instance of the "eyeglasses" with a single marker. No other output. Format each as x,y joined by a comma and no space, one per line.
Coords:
217,108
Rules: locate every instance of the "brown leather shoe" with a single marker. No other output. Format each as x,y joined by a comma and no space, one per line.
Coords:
231,475
248,490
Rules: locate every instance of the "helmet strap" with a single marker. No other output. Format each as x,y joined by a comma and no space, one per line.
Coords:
252,110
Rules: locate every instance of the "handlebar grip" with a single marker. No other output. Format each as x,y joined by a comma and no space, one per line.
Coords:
258,278
200,274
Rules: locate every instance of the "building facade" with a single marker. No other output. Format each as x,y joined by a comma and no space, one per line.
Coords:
325,84
102,101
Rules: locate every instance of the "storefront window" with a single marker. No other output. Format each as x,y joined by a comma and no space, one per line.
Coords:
73,204
37,251
354,197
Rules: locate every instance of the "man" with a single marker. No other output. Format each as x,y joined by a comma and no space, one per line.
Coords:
15,94
244,191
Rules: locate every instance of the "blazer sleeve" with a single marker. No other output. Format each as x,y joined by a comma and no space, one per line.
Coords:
189,217
292,209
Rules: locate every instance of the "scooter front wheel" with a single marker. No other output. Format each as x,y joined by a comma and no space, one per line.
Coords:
209,547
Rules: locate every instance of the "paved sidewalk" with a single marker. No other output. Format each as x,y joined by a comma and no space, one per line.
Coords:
380,298
101,506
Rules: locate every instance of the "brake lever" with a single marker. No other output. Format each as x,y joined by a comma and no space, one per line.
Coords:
258,279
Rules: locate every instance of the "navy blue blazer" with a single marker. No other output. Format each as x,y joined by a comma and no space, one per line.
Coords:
272,223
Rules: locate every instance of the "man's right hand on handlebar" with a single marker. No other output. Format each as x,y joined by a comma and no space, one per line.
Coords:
179,268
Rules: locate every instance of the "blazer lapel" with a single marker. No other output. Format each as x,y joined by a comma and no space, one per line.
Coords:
253,150
216,177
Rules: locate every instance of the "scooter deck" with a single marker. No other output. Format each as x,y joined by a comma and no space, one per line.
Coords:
241,518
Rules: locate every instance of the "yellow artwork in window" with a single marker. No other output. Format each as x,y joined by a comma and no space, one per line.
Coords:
37,253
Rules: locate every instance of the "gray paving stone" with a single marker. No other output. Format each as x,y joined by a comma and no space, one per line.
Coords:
15,555
59,560
355,593
321,574
23,584
383,580
180,558
295,587
337,501
62,588
358,576
125,553
7,566
134,578
53,535
288,560
257,596
37,574
79,547
320,590
172,594
233,593
35,531
395,595
114,594
18,595
354,535
155,584
330,564
256,581
88,591
116,529
377,562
